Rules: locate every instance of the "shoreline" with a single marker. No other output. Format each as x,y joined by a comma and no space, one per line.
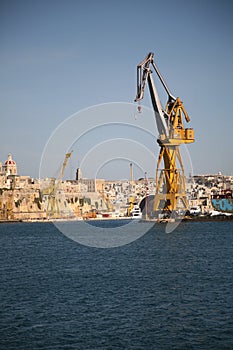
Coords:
156,221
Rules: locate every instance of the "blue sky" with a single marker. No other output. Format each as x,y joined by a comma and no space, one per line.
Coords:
61,57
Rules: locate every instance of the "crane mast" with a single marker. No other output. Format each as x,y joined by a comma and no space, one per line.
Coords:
170,193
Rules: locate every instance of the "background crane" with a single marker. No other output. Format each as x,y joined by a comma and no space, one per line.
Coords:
52,190
170,191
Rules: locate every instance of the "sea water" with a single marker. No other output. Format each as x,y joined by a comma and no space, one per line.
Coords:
162,291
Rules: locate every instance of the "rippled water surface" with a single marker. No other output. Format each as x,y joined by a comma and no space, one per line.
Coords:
162,291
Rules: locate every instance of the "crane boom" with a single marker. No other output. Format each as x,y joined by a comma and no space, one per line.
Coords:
68,155
58,182
141,80
144,74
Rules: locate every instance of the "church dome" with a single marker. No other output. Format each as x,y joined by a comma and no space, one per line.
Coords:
10,166
10,161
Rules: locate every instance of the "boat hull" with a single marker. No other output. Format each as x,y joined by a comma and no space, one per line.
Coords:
223,204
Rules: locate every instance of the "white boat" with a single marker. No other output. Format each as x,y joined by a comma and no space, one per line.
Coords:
136,213
195,210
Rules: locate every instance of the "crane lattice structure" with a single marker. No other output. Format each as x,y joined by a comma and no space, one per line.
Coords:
52,190
170,191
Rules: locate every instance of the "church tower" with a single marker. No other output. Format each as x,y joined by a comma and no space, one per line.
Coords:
78,174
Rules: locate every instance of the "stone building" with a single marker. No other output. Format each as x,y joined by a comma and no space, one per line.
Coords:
25,198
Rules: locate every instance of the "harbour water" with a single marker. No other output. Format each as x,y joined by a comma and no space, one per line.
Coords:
162,291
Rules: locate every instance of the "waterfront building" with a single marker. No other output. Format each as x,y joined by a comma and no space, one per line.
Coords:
26,198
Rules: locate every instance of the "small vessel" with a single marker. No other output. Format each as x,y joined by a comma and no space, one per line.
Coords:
195,210
136,213
223,202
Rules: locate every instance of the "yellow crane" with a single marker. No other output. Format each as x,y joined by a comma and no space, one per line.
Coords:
106,199
170,191
52,190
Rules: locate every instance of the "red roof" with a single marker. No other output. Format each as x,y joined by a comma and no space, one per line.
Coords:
10,162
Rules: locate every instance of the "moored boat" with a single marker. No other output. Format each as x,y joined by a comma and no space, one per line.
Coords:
223,202
136,213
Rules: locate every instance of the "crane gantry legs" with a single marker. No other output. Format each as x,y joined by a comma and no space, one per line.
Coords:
170,181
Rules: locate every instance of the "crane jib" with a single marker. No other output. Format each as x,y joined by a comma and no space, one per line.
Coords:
159,115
